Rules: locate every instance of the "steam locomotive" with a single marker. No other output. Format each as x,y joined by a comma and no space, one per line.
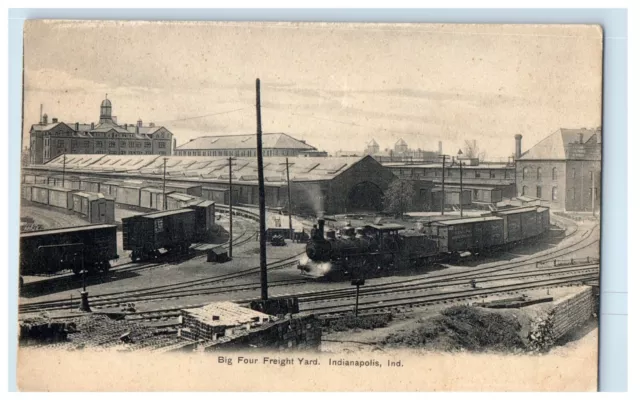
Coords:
383,249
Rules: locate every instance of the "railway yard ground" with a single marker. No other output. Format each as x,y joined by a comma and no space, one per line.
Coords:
159,291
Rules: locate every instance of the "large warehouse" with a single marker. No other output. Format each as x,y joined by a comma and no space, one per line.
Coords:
332,185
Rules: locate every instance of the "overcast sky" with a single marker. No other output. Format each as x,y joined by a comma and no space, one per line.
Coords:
335,86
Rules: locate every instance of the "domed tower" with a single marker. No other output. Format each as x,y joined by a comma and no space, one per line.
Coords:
105,111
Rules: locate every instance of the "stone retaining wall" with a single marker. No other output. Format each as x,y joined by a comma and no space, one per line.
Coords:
566,315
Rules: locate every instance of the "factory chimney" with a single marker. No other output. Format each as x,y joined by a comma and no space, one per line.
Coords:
518,146
440,147
40,113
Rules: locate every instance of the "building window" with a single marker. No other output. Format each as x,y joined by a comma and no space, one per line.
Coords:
539,192
138,144
524,190
493,174
477,174
162,145
554,174
123,152
539,173
476,194
554,193
112,144
60,144
132,144
123,144
590,176
74,143
147,144
85,143
525,171
573,173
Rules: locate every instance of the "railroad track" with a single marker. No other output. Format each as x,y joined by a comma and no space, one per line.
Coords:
186,289
320,303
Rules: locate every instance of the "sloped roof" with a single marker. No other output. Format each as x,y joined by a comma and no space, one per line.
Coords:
209,168
565,144
44,127
401,142
373,142
269,141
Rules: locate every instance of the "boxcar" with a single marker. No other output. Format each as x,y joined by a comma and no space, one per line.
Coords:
92,185
25,190
110,188
40,194
71,182
99,248
94,207
519,224
146,234
186,188
128,194
205,216
176,200
152,197
61,197
543,222
467,234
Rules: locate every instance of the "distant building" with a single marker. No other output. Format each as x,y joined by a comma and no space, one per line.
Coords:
372,147
51,139
273,145
401,153
563,169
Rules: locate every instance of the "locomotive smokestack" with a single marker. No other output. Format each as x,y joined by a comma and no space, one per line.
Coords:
321,227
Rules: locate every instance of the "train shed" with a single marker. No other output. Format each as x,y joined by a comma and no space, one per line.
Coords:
318,184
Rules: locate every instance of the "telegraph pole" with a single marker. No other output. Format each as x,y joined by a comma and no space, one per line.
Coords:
593,193
289,199
230,211
401,199
263,228
443,161
64,166
460,197
164,185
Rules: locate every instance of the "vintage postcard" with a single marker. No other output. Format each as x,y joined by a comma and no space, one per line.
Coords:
308,207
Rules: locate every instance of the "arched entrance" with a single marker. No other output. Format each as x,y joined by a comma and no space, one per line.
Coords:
365,196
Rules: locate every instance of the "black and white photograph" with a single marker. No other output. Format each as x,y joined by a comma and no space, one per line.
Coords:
311,201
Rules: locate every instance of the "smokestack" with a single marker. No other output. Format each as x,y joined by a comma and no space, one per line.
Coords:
581,137
518,146
41,113
321,227
440,147
77,126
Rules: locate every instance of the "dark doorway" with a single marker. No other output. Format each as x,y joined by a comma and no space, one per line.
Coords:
365,196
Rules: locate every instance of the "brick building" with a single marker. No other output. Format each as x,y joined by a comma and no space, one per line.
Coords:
476,176
49,139
273,145
563,169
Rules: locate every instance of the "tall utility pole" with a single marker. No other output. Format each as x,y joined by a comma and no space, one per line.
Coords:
401,199
164,185
443,161
289,200
230,211
460,197
593,193
64,166
263,227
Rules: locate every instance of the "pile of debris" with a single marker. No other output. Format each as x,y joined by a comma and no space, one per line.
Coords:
541,337
463,328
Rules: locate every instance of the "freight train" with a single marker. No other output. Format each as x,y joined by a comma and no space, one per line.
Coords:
54,250
381,249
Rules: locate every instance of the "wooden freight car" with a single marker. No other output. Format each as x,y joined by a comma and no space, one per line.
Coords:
152,198
192,189
205,217
519,224
53,196
146,234
94,207
177,200
467,234
54,250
